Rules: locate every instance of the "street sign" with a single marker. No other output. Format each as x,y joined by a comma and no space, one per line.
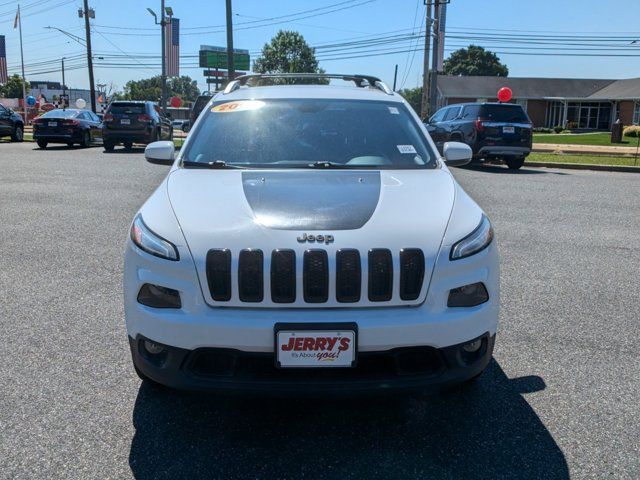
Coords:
216,57
214,73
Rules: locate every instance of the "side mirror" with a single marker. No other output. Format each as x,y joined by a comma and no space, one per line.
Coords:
160,153
457,154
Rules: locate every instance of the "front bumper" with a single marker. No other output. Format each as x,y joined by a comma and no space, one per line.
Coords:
235,371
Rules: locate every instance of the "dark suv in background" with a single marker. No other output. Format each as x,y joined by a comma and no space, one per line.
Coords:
11,124
494,131
129,122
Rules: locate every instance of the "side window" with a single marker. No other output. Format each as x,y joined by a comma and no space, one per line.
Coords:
85,116
471,112
94,117
439,115
452,113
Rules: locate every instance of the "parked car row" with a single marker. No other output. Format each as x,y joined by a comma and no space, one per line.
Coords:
124,122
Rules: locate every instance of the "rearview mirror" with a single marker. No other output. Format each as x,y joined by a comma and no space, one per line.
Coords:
457,154
160,152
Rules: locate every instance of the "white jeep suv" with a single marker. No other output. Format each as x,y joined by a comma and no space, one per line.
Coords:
309,237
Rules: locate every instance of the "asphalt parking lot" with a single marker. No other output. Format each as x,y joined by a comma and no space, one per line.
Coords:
560,400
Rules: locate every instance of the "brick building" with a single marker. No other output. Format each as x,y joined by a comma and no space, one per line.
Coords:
585,104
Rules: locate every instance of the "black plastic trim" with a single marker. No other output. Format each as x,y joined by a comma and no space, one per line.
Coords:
219,274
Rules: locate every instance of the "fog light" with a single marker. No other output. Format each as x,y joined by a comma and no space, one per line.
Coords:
472,346
159,297
153,348
468,295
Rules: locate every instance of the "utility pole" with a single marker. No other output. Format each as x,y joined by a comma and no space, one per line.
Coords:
395,77
230,66
24,81
433,80
163,79
89,14
64,88
424,111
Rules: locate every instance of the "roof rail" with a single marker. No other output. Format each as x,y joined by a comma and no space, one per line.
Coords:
359,80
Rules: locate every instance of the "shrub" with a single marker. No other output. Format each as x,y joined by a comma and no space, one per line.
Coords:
558,128
566,131
542,130
633,131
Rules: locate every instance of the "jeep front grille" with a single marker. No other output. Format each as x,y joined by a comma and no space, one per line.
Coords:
345,280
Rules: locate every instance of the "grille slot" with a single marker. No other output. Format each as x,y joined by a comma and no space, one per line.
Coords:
251,276
315,276
380,275
348,275
411,273
219,274
283,276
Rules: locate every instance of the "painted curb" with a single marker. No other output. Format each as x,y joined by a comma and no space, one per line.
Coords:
585,166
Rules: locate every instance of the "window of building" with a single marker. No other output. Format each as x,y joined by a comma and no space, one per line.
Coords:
636,114
580,115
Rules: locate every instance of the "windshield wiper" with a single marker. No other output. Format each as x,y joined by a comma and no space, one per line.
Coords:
220,164
323,164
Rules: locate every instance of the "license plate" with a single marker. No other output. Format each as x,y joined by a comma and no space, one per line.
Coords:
125,121
53,124
315,347
508,130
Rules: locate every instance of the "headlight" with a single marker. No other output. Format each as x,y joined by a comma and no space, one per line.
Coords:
151,243
476,241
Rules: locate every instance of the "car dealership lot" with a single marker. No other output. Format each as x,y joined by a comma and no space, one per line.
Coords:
560,399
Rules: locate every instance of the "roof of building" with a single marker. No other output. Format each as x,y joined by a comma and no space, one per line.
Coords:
531,88
628,89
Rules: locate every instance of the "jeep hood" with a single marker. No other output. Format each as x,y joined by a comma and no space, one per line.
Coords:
269,209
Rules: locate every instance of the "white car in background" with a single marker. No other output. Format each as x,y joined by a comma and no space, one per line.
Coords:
309,237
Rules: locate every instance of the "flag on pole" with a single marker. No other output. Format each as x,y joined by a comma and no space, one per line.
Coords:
17,19
4,76
172,47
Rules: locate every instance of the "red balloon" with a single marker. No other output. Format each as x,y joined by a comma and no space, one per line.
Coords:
505,94
175,102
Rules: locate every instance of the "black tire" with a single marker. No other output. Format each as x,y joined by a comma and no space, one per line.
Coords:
70,144
42,144
108,147
514,163
128,145
147,380
86,139
18,133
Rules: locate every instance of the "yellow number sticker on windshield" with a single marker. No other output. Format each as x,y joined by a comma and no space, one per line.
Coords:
239,106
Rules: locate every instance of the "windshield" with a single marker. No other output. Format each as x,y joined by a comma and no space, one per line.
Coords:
504,113
306,132
124,108
57,113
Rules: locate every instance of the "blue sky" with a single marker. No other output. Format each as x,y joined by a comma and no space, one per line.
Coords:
126,28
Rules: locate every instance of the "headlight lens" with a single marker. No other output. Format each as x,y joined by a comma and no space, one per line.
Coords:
151,243
473,243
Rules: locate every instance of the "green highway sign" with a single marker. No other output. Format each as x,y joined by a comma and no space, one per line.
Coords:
216,57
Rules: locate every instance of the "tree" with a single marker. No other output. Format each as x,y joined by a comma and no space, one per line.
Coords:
151,89
288,52
474,61
413,96
13,87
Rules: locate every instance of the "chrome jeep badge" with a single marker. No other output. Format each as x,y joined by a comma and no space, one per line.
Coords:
326,239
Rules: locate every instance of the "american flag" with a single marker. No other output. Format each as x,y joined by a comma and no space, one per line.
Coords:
172,47
3,61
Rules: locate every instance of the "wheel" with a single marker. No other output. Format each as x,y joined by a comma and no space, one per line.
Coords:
108,147
86,140
128,145
70,144
18,134
147,380
42,144
514,163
